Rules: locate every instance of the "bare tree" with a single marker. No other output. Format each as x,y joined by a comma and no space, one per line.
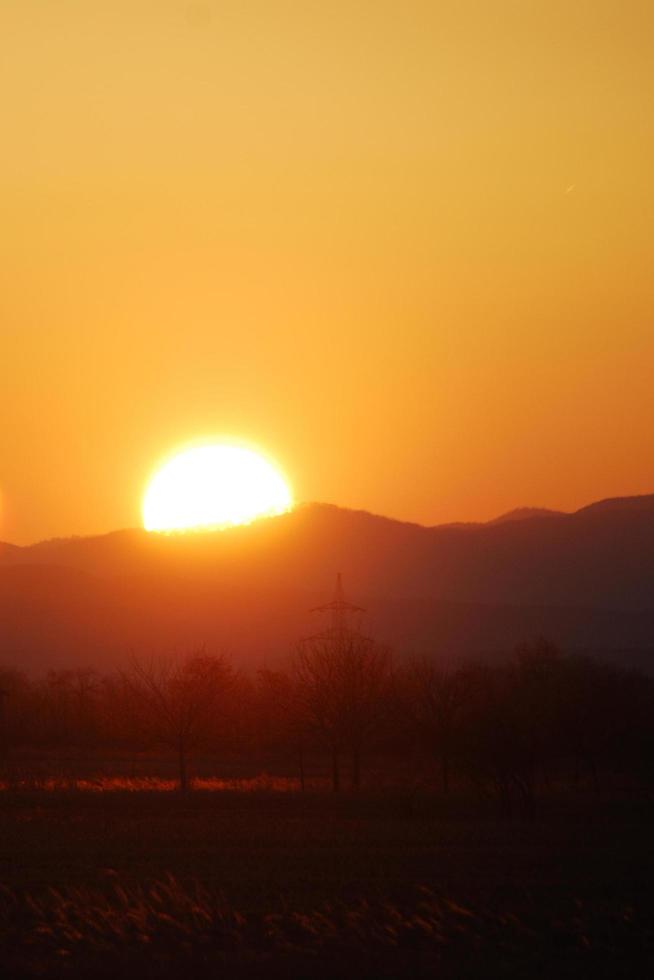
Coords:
176,701
341,677
4,727
513,721
281,716
70,705
431,698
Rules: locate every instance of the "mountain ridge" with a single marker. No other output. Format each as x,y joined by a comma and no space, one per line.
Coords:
585,579
631,503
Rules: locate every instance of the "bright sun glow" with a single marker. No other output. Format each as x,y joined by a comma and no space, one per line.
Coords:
214,486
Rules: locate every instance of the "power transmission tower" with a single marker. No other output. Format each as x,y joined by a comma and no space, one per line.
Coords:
340,611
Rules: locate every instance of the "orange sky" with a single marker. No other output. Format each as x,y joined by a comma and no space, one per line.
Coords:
406,247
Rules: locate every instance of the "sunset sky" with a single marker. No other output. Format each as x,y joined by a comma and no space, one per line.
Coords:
404,247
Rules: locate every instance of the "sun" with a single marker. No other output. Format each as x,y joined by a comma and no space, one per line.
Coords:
214,486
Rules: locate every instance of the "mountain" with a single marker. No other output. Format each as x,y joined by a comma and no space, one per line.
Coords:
585,579
641,504
525,514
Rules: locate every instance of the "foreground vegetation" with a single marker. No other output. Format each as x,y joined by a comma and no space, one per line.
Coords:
506,728
279,883
343,817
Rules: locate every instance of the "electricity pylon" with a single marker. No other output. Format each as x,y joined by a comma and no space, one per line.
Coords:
340,610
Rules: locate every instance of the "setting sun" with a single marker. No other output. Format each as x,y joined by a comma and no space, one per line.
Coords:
214,486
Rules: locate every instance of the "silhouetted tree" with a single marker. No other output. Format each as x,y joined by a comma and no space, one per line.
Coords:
175,701
4,726
281,717
512,716
69,712
341,678
607,720
430,698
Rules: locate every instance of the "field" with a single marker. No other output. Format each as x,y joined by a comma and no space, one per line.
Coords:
257,879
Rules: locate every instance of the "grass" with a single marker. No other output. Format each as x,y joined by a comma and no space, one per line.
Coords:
164,928
261,881
103,783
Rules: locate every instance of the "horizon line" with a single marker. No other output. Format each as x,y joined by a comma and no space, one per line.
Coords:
541,513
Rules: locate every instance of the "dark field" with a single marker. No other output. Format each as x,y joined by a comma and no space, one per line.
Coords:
278,883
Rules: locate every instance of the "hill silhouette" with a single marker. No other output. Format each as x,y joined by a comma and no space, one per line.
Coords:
586,580
524,514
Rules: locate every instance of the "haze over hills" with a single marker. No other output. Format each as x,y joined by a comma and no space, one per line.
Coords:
585,579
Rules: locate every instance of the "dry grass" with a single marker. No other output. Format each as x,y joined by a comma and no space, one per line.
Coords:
165,927
246,878
101,783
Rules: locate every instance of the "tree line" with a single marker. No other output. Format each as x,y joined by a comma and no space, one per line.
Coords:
507,728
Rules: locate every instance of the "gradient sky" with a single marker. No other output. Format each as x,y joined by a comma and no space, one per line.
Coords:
405,247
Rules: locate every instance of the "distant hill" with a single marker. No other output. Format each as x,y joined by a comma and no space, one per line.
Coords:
525,514
584,579
644,503
518,514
